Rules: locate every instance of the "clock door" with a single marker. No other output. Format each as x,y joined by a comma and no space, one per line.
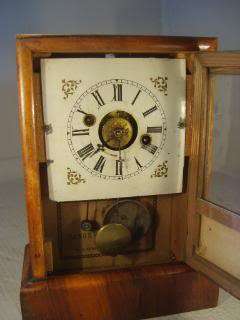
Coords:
213,243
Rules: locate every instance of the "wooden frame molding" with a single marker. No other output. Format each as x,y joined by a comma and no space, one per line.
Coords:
30,161
222,215
223,60
214,63
30,47
57,291
200,87
117,295
115,44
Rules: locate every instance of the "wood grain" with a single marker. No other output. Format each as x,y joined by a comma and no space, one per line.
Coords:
29,50
117,295
38,113
224,70
180,202
201,210
115,44
171,228
30,160
219,276
193,220
220,59
206,162
222,215
129,294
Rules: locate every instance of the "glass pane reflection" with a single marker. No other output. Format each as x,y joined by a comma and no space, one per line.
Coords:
224,182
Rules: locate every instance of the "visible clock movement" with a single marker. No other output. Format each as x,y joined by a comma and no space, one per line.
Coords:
119,125
119,150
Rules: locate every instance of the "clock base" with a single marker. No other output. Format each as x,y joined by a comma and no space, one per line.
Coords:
139,293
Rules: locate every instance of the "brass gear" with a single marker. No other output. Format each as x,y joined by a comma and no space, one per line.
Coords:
118,130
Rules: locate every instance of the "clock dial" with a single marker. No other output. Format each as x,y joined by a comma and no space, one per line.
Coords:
116,129
115,134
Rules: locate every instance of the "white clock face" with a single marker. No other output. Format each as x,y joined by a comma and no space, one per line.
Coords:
116,129
114,126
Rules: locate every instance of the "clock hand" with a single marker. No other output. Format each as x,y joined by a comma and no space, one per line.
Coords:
100,147
119,150
89,119
83,112
122,155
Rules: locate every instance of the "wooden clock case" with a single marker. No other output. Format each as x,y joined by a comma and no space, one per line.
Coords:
163,285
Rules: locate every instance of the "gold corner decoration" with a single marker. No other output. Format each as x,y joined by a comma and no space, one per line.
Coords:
161,170
181,123
69,87
161,83
74,178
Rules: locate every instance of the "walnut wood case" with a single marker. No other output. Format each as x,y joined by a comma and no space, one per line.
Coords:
151,282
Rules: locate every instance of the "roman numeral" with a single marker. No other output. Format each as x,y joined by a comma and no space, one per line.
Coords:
85,151
119,167
138,163
154,129
149,111
117,96
134,100
98,98
150,148
100,164
80,132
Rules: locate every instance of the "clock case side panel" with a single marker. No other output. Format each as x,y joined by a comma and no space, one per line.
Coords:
206,220
30,141
43,222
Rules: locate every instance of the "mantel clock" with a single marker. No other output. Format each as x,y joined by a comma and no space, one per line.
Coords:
119,144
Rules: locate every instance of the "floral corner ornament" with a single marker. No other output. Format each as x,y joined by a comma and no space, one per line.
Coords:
73,177
161,170
69,87
181,123
161,83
